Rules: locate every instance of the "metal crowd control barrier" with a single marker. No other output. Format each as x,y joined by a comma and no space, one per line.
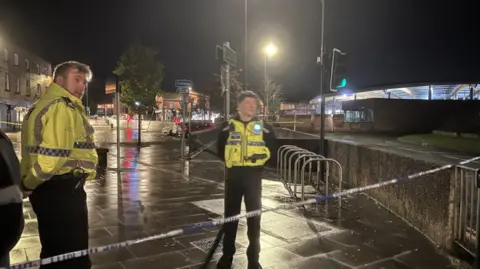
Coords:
467,207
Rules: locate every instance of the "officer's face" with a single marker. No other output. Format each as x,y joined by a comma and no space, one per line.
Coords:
75,82
248,107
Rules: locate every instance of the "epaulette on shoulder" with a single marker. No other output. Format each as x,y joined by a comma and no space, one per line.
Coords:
68,102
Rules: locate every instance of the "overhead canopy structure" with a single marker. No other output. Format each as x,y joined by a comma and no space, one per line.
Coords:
420,92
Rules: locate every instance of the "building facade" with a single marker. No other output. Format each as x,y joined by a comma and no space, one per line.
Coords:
24,77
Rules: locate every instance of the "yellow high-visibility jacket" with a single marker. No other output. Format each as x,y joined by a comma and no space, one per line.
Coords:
244,143
56,138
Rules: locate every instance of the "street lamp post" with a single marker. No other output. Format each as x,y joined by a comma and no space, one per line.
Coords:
322,91
139,140
269,51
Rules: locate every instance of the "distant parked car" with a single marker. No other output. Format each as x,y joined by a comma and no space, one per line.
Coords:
176,129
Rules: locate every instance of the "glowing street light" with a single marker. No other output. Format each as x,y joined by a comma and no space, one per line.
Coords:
269,51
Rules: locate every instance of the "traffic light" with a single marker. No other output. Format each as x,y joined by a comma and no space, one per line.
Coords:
338,78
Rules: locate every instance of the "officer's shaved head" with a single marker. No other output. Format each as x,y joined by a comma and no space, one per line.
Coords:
64,68
73,76
247,103
246,94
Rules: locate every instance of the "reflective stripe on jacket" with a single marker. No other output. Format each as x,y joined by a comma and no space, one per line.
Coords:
245,145
56,138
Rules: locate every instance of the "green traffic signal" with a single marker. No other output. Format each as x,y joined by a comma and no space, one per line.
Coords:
342,84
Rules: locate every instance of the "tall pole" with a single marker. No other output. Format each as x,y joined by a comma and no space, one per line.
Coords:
184,116
139,140
227,92
322,93
245,74
265,105
322,84
117,104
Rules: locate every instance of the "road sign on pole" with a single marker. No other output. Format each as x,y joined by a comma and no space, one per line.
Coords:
183,83
183,90
229,55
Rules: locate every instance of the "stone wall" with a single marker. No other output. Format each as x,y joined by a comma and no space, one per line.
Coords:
424,202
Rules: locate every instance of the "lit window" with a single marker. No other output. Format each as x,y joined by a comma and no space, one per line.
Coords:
38,69
7,82
17,86
15,59
27,64
5,54
28,90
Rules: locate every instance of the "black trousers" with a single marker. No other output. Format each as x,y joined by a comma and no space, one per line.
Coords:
243,182
61,208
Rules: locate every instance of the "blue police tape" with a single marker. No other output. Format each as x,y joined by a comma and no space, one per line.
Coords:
197,226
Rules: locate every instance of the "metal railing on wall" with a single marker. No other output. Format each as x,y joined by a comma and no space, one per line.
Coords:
466,208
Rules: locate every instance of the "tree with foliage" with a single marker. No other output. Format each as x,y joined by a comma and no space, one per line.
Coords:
273,95
141,75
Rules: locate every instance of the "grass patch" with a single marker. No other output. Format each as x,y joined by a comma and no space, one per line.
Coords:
453,143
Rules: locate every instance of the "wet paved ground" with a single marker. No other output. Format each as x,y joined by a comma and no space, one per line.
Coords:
153,194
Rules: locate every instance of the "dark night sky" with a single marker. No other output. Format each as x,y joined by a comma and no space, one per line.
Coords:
388,41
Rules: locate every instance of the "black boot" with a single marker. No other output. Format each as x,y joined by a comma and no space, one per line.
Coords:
225,262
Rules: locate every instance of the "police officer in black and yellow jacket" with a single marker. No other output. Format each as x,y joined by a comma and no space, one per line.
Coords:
58,155
245,144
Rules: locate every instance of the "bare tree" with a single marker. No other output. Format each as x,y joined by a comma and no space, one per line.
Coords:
272,95
217,90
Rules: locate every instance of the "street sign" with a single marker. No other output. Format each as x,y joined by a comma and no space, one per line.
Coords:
183,90
226,54
183,83
229,55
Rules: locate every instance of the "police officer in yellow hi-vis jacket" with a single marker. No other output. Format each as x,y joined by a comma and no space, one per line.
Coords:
58,155
245,143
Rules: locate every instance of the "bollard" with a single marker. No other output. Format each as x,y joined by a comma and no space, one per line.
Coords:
102,156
